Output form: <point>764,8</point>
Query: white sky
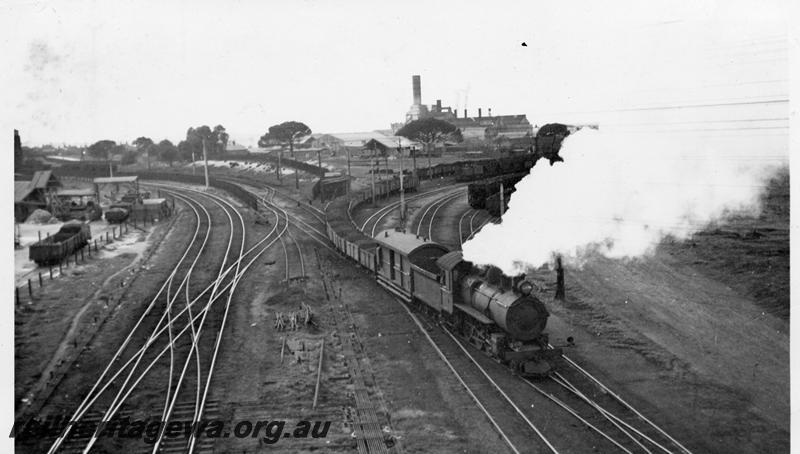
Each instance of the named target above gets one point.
<point>91,70</point>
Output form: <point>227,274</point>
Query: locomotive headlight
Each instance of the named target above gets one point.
<point>525,287</point>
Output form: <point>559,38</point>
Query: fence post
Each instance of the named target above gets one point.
<point>16,293</point>
<point>40,235</point>
<point>59,267</point>
<point>51,271</point>
<point>106,236</point>
<point>40,280</point>
<point>30,289</point>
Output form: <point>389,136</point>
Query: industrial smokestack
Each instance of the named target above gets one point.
<point>465,113</point>
<point>438,105</point>
<point>479,112</point>
<point>417,87</point>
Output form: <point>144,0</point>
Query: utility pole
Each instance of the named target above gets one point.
<point>193,164</point>
<point>372,172</point>
<point>402,191</point>
<point>278,169</point>
<point>296,171</point>
<point>430,172</point>
<point>502,199</point>
<point>348,170</point>
<point>205,162</point>
<point>414,161</point>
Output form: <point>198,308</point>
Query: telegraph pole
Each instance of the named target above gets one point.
<point>348,170</point>
<point>193,164</point>
<point>502,199</point>
<point>402,191</point>
<point>278,169</point>
<point>372,172</point>
<point>205,162</point>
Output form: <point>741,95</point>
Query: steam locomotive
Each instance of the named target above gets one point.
<point>497,314</point>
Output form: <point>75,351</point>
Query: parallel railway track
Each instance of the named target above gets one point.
<point>220,288</point>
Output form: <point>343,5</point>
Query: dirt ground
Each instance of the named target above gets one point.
<point>52,330</point>
<point>696,334</point>
<point>422,407</point>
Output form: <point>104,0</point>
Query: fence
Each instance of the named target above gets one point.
<point>80,255</point>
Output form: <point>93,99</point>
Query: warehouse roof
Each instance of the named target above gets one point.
<point>22,189</point>
<point>44,178</point>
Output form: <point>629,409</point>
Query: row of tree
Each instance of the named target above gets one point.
<point>215,140</point>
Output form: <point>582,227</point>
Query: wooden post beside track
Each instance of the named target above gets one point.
<point>51,272</point>
<point>560,294</point>
<point>283,347</point>
<point>41,284</point>
<point>319,372</point>
<point>16,294</point>
<point>30,289</point>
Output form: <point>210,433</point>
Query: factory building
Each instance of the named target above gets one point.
<point>478,127</point>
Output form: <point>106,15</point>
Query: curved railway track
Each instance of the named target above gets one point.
<point>173,328</point>
<point>374,220</point>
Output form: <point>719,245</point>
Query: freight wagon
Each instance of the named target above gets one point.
<point>72,236</point>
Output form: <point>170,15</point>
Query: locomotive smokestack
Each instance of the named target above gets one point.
<point>417,87</point>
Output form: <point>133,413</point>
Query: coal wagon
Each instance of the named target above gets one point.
<point>72,236</point>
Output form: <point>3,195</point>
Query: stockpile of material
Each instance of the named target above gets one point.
<point>40,216</point>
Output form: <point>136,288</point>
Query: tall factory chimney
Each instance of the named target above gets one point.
<point>438,106</point>
<point>479,112</point>
<point>465,113</point>
<point>417,86</point>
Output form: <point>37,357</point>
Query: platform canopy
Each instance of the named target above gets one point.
<point>76,193</point>
<point>107,180</point>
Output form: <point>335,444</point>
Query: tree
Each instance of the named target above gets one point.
<point>17,149</point>
<point>220,138</point>
<point>102,149</point>
<point>167,152</point>
<point>144,145</point>
<point>265,141</point>
<point>287,132</point>
<point>429,131</point>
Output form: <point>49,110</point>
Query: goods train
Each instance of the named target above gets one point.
<point>479,192</point>
<point>72,236</point>
<point>497,314</point>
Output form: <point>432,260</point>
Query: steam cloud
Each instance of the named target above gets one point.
<point>619,195</point>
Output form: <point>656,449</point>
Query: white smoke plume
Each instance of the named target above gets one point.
<point>617,194</point>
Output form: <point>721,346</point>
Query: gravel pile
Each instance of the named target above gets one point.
<point>41,217</point>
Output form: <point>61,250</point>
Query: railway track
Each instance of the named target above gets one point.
<point>368,418</point>
<point>612,424</point>
<point>371,224</point>
<point>470,219</point>
<point>180,328</point>
<point>424,228</point>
